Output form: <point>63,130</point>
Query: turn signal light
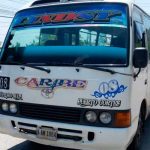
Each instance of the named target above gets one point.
<point>123,119</point>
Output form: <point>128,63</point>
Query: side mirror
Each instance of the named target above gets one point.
<point>140,58</point>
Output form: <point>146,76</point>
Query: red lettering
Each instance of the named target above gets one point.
<point>21,81</point>
<point>70,17</point>
<point>33,83</point>
<point>59,18</point>
<point>46,19</point>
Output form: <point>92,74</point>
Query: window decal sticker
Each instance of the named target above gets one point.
<point>109,89</point>
<point>48,86</point>
<point>13,96</point>
<point>85,102</point>
<point>65,17</point>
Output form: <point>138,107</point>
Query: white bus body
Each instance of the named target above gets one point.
<point>71,74</point>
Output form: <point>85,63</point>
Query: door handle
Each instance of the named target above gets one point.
<point>146,82</point>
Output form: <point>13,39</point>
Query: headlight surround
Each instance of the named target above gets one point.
<point>105,117</point>
<point>91,116</point>
<point>5,107</point>
<point>13,108</point>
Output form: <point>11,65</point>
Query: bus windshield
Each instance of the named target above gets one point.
<point>88,34</point>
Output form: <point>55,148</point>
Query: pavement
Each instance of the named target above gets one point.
<point>11,143</point>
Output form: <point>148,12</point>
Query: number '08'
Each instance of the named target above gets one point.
<point>3,83</point>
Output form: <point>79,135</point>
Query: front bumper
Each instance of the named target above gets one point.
<point>104,138</point>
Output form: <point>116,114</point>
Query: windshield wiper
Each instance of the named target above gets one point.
<point>79,63</point>
<point>99,68</point>
<point>29,65</point>
<point>96,68</point>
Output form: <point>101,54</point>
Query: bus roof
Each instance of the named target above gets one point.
<point>39,3</point>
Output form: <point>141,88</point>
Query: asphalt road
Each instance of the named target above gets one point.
<point>10,143</point>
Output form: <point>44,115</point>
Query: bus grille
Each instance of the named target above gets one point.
<point>50,113</point>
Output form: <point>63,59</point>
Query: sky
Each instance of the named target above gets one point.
<point>9,7</point>
<point>144,4</point>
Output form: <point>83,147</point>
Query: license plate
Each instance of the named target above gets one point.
<point>47,133</point>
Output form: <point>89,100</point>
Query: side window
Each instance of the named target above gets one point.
<point>148,38</point>
<point>139,35</point>
<point>87,37</point>
<point>48,37</point>
<point>104,39</point>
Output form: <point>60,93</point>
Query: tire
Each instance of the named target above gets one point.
<point>135,145</point>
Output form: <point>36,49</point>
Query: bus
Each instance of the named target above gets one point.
<point>75,74</point>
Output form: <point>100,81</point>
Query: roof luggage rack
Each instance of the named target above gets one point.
<point>40,2</point>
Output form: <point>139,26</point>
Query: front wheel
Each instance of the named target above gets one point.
<point>135,145</point>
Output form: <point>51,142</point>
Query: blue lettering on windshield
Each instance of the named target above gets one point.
<point>109,89</point>
<point>73,14</point>
<point>83,16</point>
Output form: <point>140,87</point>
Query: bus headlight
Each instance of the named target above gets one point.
<point>91,116</point>
<point>5,107</point>
<point>105,117</point>
<point>13,108</point>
